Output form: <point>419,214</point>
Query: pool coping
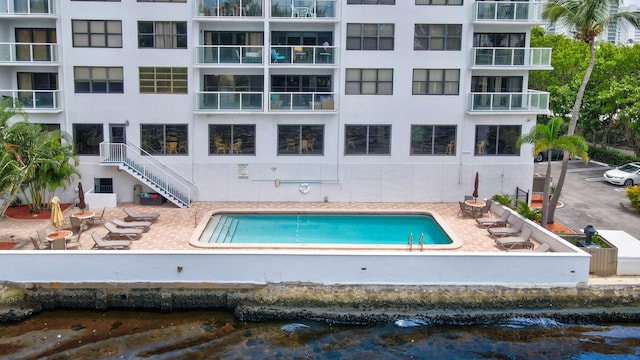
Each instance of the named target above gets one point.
<point>456,242</point>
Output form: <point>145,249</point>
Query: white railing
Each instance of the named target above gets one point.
<point>229,54</point>
<point>27,7</point>
<point>301,101</point>
<point>529,101</point>
<point>508,11</point>
<point>520,57</point>
<point>34,99</point>
<point>146,166</point>
<point>241,8</point>
<point>28,52</point>
<point>229,100</point>
<point>303,55</point>
<point>303,9</point>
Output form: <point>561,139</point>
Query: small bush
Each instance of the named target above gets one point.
<point>633,194</point>
<point>504,199</point>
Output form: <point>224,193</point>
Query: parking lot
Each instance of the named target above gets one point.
<point>590,200</point>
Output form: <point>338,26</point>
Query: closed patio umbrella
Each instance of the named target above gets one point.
<point>81,203</point>
<point>475,186</point>
<point>56,213</point>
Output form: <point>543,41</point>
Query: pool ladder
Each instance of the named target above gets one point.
<point>420,241</point>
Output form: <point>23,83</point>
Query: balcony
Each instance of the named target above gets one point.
<point>27,7</point>
<point>302,101</point>
<point>220,101</point>
<point>228,8</point>
<point>529,102</point>
<point>228,54</point>
<point>306,10</point>
<point>25,53</point>
<point>303,55</point>
<point>35,100</point>
<point>508,12</point>
<point>514,58</point>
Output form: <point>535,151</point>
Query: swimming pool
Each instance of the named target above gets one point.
<point>323,230</point>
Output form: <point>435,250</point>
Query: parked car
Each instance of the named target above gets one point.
<point>555,155</point>
<point>627,175</point>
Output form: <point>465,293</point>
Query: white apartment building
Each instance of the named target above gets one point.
<point>282,100</point>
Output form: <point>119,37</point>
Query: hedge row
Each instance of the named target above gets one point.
<point>610,157</point>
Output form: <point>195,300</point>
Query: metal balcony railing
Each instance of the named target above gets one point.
<point>301,101</point>
<point>34,99</point>
<point>303,9</point>
<point>517,57</point>
<point>229,101</point>
<point>508,11</point>
<point>27,7</point>
<point>229,54</point>
<point>28,52</point>
<point>531,101</point>
<point>228,8</point>
<point>303,55</point>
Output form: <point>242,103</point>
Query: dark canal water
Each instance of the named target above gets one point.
<point>218,335</point>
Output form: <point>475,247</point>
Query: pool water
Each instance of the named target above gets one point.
<point>324,229</point>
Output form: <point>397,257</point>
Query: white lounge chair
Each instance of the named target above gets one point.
<point>144,225</point>
<point>513,230</point>
<point>544,247</point>
<point>118,233</point>
<point>490,222</point>
<point>520,241</point>
<point>109,244</point>
<point>134,216</point>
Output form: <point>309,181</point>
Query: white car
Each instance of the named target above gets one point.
<point>627,175</point>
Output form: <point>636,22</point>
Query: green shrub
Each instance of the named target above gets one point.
<point>633,194</point>
<point>504,199</point>
<point>610,157</point>
<point>528,212</point>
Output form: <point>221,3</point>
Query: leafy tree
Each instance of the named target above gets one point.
<point>587,18</point>
<point>546,138</point>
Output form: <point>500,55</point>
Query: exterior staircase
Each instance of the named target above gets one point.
<point>149,171</point>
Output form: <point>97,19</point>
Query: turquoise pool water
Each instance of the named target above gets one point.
<point>323,229</point>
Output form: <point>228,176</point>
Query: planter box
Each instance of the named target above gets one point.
<point>154,199</point>
<point>604,261</point>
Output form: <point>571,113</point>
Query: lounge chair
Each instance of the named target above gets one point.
<point>515,229</point>
<point>490,222</point>
<point>118,233</point>
<point>144,225</point>
<point>544,247</point>
<point>134,216</point>
<point>108,244</point>
<point>520,241</point>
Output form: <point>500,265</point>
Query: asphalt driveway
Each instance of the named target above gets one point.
<point>589,200</point>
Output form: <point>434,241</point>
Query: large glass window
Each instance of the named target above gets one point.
<point>232,139</point>
<point>162,34</point>
<point>30,51</point>
<point>438,2</point>
<point>497,139</point>
<point>371,2</point>
<point>370,36</point>
<point>369,82</point>
<point>163,80</point>
<point>433,139</point>
<point>164,139</point>
<point>437,37</point>
<point>233,91</point>
<point>87,138</point>
<point>97,33</point>
<point>436,81</point>
<point>300,139</point>
<point>367,140</point>
<point>98,80</point>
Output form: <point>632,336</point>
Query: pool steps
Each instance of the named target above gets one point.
<point>223,231</point>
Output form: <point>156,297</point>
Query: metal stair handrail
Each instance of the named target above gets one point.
<point>151,169</point>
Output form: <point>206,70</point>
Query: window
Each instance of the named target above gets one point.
<point>87,138</point>
<point>164,139</point>
<point>232,91</point>
<point>371,2</point>
<point>497,139</point>
<point>369,82</point>
<point>97,33</point>
<point>370,36</point>
<point>367,140</point>
<point>232,139</point>
<point>163,80</point>
<point>436,81</point>
<point>98,80</point>
<point>433,139</point>
<point>162,34</point>
<point>103,185</point>
<point>300,139</point>
<point>438,2</point>
<point>498,40</point>
<point>175,1</point>
<point>30,51</point>
<point>99,0</point>
<point>437,37</point>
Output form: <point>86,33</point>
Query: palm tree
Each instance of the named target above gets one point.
<point>546,138</point>
<point>587,19</point>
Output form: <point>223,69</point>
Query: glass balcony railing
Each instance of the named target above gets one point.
<point>237,8</point>
<point>519,57</point>
<point>508,11</point>
<point>34,99</point>
<point>228,54</point>
<point>229,101</point>
<point>303,9</point>
<point>301,101</point>
<point>28,52</point>
<point>316,55</point>
<point>531,101</point>
<point>27,7</point>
